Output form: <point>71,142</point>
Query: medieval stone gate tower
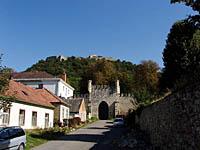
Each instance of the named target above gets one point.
<point>107,102</point>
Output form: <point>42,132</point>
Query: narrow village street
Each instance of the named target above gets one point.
<point>96,136</point>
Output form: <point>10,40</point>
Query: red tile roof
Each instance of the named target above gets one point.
<point>31,74</point>
<point>27,94</point>
<point>51,97</point>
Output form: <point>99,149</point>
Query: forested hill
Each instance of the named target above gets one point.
<point>137,79</point>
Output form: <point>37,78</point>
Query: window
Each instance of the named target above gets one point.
<point>63,113</point>
<point>5,117</point>
<point>66,91</point>
<point>4,134</point>
<point>46,120</point>
<point>21,117</point>
<point>13,133</point>
<point>25,93</point>
<point>34,118</point>
<point>40,86</point>
<point>67,114</point>
<point>20,132</point>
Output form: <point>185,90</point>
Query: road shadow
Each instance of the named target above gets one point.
<point>109,138</point>
<point>98,128</point>
<point>82,137</point>
<point>109,122</point>
<point>103,141</point>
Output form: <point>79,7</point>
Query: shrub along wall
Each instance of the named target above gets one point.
<point>174,122</point>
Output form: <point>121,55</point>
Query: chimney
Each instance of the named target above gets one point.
<point>63,77</point>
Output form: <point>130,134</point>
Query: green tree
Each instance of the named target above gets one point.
<point>195,4</point>
<point>146,80</point>
<point>181,53</point>
<point>4,76</point>
<point>4,81</point>
<point>102,72</point>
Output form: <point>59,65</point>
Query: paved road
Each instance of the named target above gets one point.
<point>96,136</point>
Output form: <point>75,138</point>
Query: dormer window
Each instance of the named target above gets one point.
<point>25,93</point>
<point>40,86</point>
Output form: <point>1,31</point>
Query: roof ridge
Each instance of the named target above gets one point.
<point>55,96</point>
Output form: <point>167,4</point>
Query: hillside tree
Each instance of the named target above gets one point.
<point>146,81</point>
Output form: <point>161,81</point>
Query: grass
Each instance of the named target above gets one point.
<point>33,141</point>
<point>37,137</point>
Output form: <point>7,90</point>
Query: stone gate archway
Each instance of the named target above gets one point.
<point>103,111</point>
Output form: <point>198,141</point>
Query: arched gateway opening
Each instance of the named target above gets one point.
<point>103,111</point>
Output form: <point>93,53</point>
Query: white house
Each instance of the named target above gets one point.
<point>39,79</point>
<point>29,109</point>
<point>77,108</point>
<point>61,111</point>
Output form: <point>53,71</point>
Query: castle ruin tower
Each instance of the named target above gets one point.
<point>90,93</point>
<point>117,107</point>
<point>117,87</point>
<point>90,86</point>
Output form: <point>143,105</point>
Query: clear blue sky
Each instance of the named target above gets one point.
<point>130,30</point>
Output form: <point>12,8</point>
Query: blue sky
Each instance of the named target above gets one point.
<point>130,30</point>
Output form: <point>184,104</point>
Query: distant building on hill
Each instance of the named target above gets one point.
<point>100,57</point>
<point>63,58</point>
<point>60,57</point>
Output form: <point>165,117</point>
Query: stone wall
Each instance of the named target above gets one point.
<point>174,122</point>
<point>126,103</point>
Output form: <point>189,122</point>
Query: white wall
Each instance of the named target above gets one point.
<point>64,113</point>
<point>14,115</point>
<point>83,116</point>
<point>50,85</point>
<point>64,91</point>
<point>57,87</point>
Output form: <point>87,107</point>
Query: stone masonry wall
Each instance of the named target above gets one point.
<point>103,93</point>
<point>126,104</point>
<point>174,122</point>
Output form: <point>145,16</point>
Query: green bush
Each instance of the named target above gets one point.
<point>93,118</point>
<point>49,134</point>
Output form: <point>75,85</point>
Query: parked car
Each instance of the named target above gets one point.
<point>118,122</point>
<point>12,138</point>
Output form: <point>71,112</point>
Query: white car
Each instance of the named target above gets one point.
<point>12,138</point>
<point>118,122</point>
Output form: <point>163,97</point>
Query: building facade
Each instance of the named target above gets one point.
<point>77,108</point>
<point>61,110</point>
<point>28,109</point>
<point>29,116</point>
<point>39,80</point>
